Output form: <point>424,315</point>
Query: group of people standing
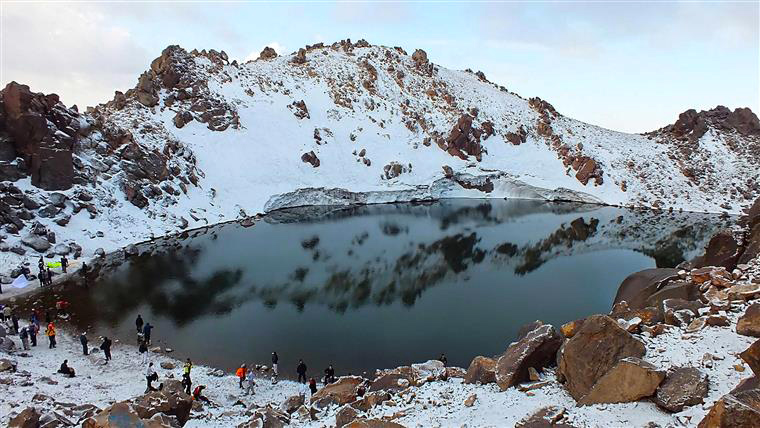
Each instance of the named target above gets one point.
<point>46,274</point>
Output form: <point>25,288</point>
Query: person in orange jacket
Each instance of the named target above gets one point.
<point>50,332</point>
<point>240,373</point>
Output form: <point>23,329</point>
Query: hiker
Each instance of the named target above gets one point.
<point>143,349</point>
<point>312,386</point>
<point>240,373</point>
<point>139,323</point>
<point>83,271</point>
<point>41,264</point>
<point>198,394</point>
<point>50,332</point>
<point>443,359</point>
<point>32,328</point>
<point>275,371</point>
<point>106,347</point>
<point>14,321</point>
<point>150,376</point>
<point>251,383</point>
<point>24,336</point>
<point>301,369</point>
<point>64,263</point>
<point>186,382</point>
<point>49,276</point>
<point>146,332</point>
<point>60,307</point>
<point>2,312</point>
<point>65,369</point>
<point>83,340</point>
<point>329,374</point>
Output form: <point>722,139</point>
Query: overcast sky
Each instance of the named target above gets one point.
<point>630,66</point>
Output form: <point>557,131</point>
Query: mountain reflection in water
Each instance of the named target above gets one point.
<point>383,285</point>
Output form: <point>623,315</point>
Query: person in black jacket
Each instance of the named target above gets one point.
<point>65,369</point>
<point>275,359</point>
<point>301,369</point>
<point>329,374</point>
<point>139,323</point>
<point>64,263</point>
<point>83,340</point>
<point>106,347</point>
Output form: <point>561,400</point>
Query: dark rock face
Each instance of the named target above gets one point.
<point>267,53</point>
<point>692,125</point>
<point>752,357</point>
<point>638,287</point>
<point>595,349</point>
<point>722,250</point>
<point>537,349</point>
<point>749,323</point>
<point>464,139</point>
<point>40,131</point>
<point>310,158</point>
<point>683,386</point>
<point>735,410</point>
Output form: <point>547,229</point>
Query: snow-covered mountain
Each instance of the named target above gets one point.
<point>202,140</point>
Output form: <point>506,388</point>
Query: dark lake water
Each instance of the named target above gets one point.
<point>379,286</point>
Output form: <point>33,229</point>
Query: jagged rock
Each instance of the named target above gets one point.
<point>37,243</point>
<point>546,417</point>
<point>751,242</point>
<point>482,370</point>
<point>123,414</point>
<point>595,349</point>
<point>310,158</point>
<point>7,365</point>
<point>371,400</point>
<point>182,118</point>
<point>300,57</point>
<point>470,401</point>
<point>722,250</point>
<point>629,380</point>
<point>537,349</point>
<point>167,365</point>
<point>171,401</point>
<point>734,410</point>
<point>343,390</point>
<point>268,53</point>
<point>752,357</point>
<point>637,288</point>
<point>28,418</point>
<point>291,404</point>
<point>345,415</point>
<point>267,417</point>
<point>683,386</point>
<point>391,382</point>
<point>373,423</point>
<point>749,323</point>
<point>299,109</point>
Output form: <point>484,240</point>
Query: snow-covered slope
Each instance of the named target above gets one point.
<point>202,140</point>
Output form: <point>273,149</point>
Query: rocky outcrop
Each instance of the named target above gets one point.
<point>267,53</point>
<point>638,287</point>
<point>734,410</point>
<point>37,137</point>
<point>595,349</point>
<point>692,125</point>
<point>342,391</point>
<point>537,349</point>
<point>724,249</point>
<point>463,139</point>
<point>299,109</point>
<point>310,158</point>
<point>267,417</point>
<point>752,357</point>
<point>683,386</point>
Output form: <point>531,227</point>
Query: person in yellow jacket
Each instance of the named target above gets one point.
<point>240,373</point>
<point>50,332</point>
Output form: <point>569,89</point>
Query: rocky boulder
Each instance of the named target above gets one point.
<point>752,357</point>
<point>123,414</point>
<point>546,417</point>
<point>482,370</point>
<point>629,380</point>
<point>291,404</point>
<point>28,418</point>
<point>170,401</point>
<point>373,423</point>
<point>343,391</point>
<point>536,349</point>
<point>310,158</point>
<point>723,250</point>
<point>596,348</point>
<point>345,416</point>
<point>268,53</point>
<point>683,386</point>
<point>734,410</point>
<point>266,417</point>
<point>637,288</point>
<point>749,323</point>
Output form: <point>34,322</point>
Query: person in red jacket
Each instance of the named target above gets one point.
<point>50,333</point>
<point>240,373</point>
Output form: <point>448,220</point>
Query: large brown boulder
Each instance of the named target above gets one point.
<point>171,401</point>
<point>735,410</point>
<point>343,391</point>
<point>28,418</point>
<point>683,386</point>
<point>723,250</point>
<point>482,370</point>
<point>751,243</point>
<point>267,53</point>
<point>123,415</point>
<point>537,349</point>
<point>345,416</point>
<point>266,417</point>
<point>310,158</point>
<point>752,357</point>
<point>638,287</point>
<point>595,349</point>
<point>545,417</point>
<point>629,380</point>
<point>391,382</point>
<point>749,323</point>
<point>373,423</point>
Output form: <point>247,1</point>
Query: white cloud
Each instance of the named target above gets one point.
<point>280,49</point>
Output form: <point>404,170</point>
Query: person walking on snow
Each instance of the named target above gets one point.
<point>329,374</point>
<point>24,336</point>
<point>32,328</point>
<point>146,332</point>
<point>312,386</point>
<point>150,376</point>
<point>14,321</point>
<point>64,263</point>
<point>106,347</point>
<point>240,373</point>
<point>301,370</point>
<point>83,340</point>
<point>275,370</point>
<point>143,349</point>
<point>50,333</point>
<point>186,382</point>
<point>251,383</point>
<point>139,323</point>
